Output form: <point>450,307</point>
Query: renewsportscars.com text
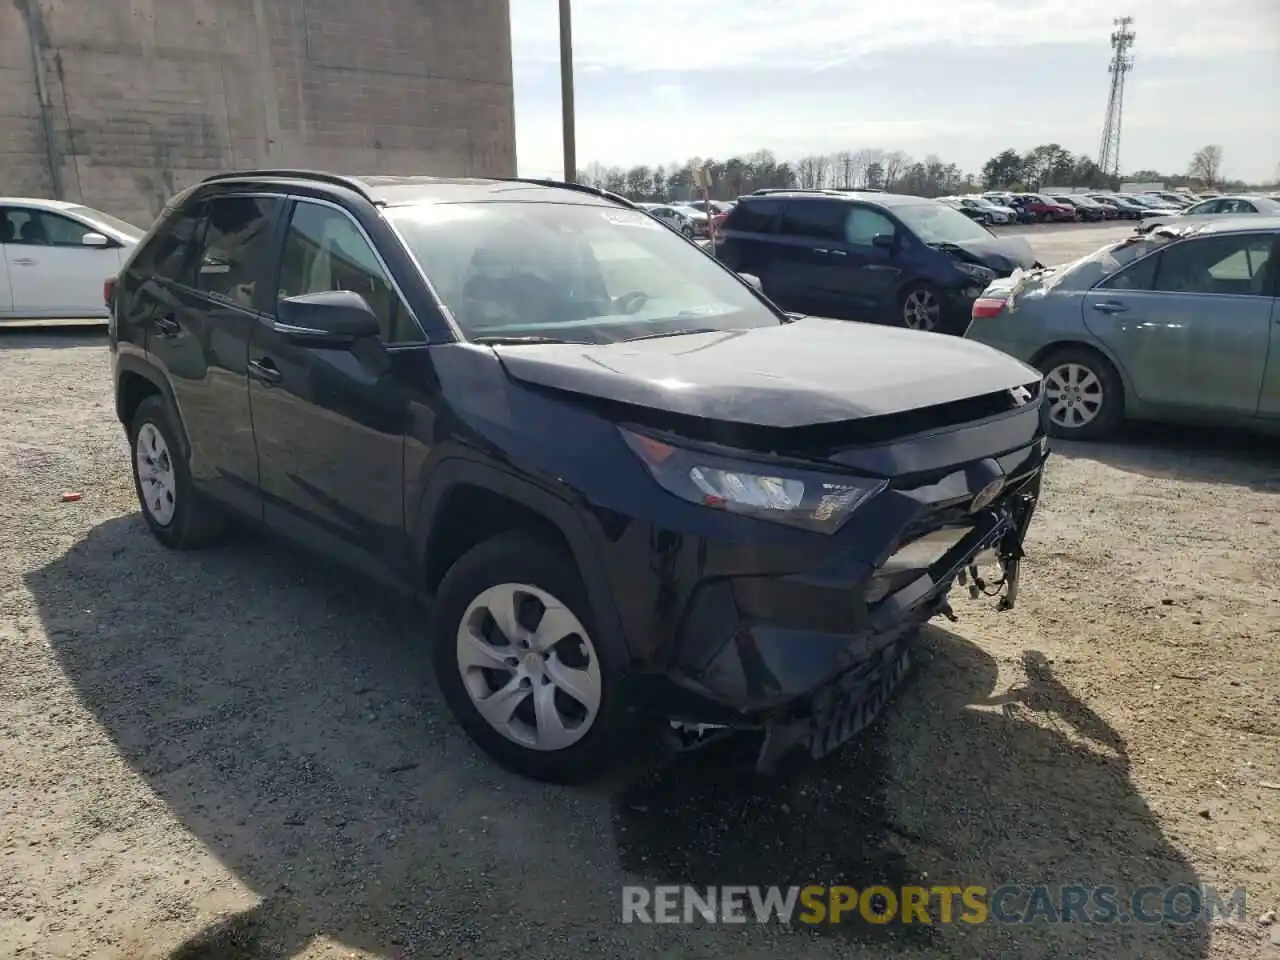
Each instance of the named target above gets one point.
<point>971,904</point>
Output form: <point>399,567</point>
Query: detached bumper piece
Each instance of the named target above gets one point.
<point>852,707</point>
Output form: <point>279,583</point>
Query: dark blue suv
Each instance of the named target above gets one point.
<point>867,256</point>
<point>628,487</point>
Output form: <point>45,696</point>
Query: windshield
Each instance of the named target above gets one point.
<point>574,272</point>
<point>106,220</point>
<point>938,223</point>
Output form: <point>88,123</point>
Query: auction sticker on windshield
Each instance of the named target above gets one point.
<point>628,218</point>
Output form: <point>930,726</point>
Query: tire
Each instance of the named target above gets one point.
<point>499,574</point>
<point>687,231</point>
<point>1094,376</point>
<point>910,312</point>
<point>179,517</point>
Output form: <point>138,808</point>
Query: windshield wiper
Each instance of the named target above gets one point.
<point>944,245</point>
<point>497,341</point>
<point>672,333</point>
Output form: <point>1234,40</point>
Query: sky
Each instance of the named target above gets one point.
<point>663,80</point>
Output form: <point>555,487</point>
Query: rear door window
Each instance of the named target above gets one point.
<point>814,219</point>
<point>236,247</point>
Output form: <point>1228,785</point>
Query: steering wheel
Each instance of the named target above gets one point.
<point>632,302</point>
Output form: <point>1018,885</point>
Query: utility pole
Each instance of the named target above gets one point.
<point>566,93</point>
<point>1121,63</point>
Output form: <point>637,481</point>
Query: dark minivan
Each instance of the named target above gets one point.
<point>627,483</point>
<point>878,257</point>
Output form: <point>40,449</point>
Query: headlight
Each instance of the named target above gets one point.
<point>983,275</point>
<point>739,487</point>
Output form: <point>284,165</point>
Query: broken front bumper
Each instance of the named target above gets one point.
<point>805,687</point>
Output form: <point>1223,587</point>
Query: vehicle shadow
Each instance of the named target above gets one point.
<point>1178,452</point>
<point>284,713</point>
<point>52,337</point>
<point>955,786</point>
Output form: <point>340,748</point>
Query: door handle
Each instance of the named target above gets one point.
<point>838,253</point>
<point>166,326</point>
<point>264,371</point>
<point>821,250</point>
<point>1110,306</point>
<point>25,262</point>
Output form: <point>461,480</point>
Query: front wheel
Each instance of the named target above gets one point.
<point>1084,393</point>
<point>520,664</point>
<point>921,307</point>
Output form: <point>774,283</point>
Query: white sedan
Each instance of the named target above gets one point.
<point>56,257</point>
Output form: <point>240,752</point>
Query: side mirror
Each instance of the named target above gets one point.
<point>884,241</point>
<point>332,315</point>
<point>752,281</point>
<point>93,239</point>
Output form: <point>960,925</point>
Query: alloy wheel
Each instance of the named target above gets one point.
<point>1075,395</point>
<point>921,310</point>
<point>529,667</point>
<point>157,481</point>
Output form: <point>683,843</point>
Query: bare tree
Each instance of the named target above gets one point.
<point>825,168</point>
<point>895,164</point>
<point>862,161</point>
<point>808,171</point>
<point>1206,164</point>
<point>842,165</point>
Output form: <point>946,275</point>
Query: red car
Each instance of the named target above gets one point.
<point>1045,209</point>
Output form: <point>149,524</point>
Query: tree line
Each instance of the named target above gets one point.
<point>1048,165</point>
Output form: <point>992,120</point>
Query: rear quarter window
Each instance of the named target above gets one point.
<point>753,216</point>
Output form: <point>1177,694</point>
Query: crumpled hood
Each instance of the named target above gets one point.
<point>1002,254</point>
<point>808,372</point>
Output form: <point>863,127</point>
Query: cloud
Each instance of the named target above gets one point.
<point>810,35</point>
<point>661,80</point>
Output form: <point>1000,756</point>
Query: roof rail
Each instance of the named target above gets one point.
<point>569,185</point>
<point>334,179</point>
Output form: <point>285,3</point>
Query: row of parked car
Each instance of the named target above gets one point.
<point>1001,207</point>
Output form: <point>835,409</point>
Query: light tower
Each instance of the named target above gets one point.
<point>1121,63</point>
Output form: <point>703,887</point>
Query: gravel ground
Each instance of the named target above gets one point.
<point>239,753</point>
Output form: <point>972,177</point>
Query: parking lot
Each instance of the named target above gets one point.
<point>239,753</point>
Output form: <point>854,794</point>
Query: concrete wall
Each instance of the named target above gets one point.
<point>142,97</point>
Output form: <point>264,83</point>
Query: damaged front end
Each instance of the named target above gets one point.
<point>975,542</point>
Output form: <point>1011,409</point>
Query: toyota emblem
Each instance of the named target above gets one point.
<point>987,495</point>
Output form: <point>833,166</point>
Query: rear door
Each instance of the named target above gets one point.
<point>330,422</point>
<point>1192,323</point>
<point>1269,398</point>
<point>52,274</point>
<point>809,272</point>
<point>196,292</point>
<point>6,291</point>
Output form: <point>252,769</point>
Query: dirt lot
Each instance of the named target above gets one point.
<point>240,754</point>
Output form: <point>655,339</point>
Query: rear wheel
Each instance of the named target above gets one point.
<point>520,664</point>
<point>1084,393</point>
<point>176,514</point>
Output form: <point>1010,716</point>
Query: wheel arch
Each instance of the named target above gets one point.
<point>1092,346</point>
<point>137,380</point>
<point>1127,399</point>
<point>467,502</point>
